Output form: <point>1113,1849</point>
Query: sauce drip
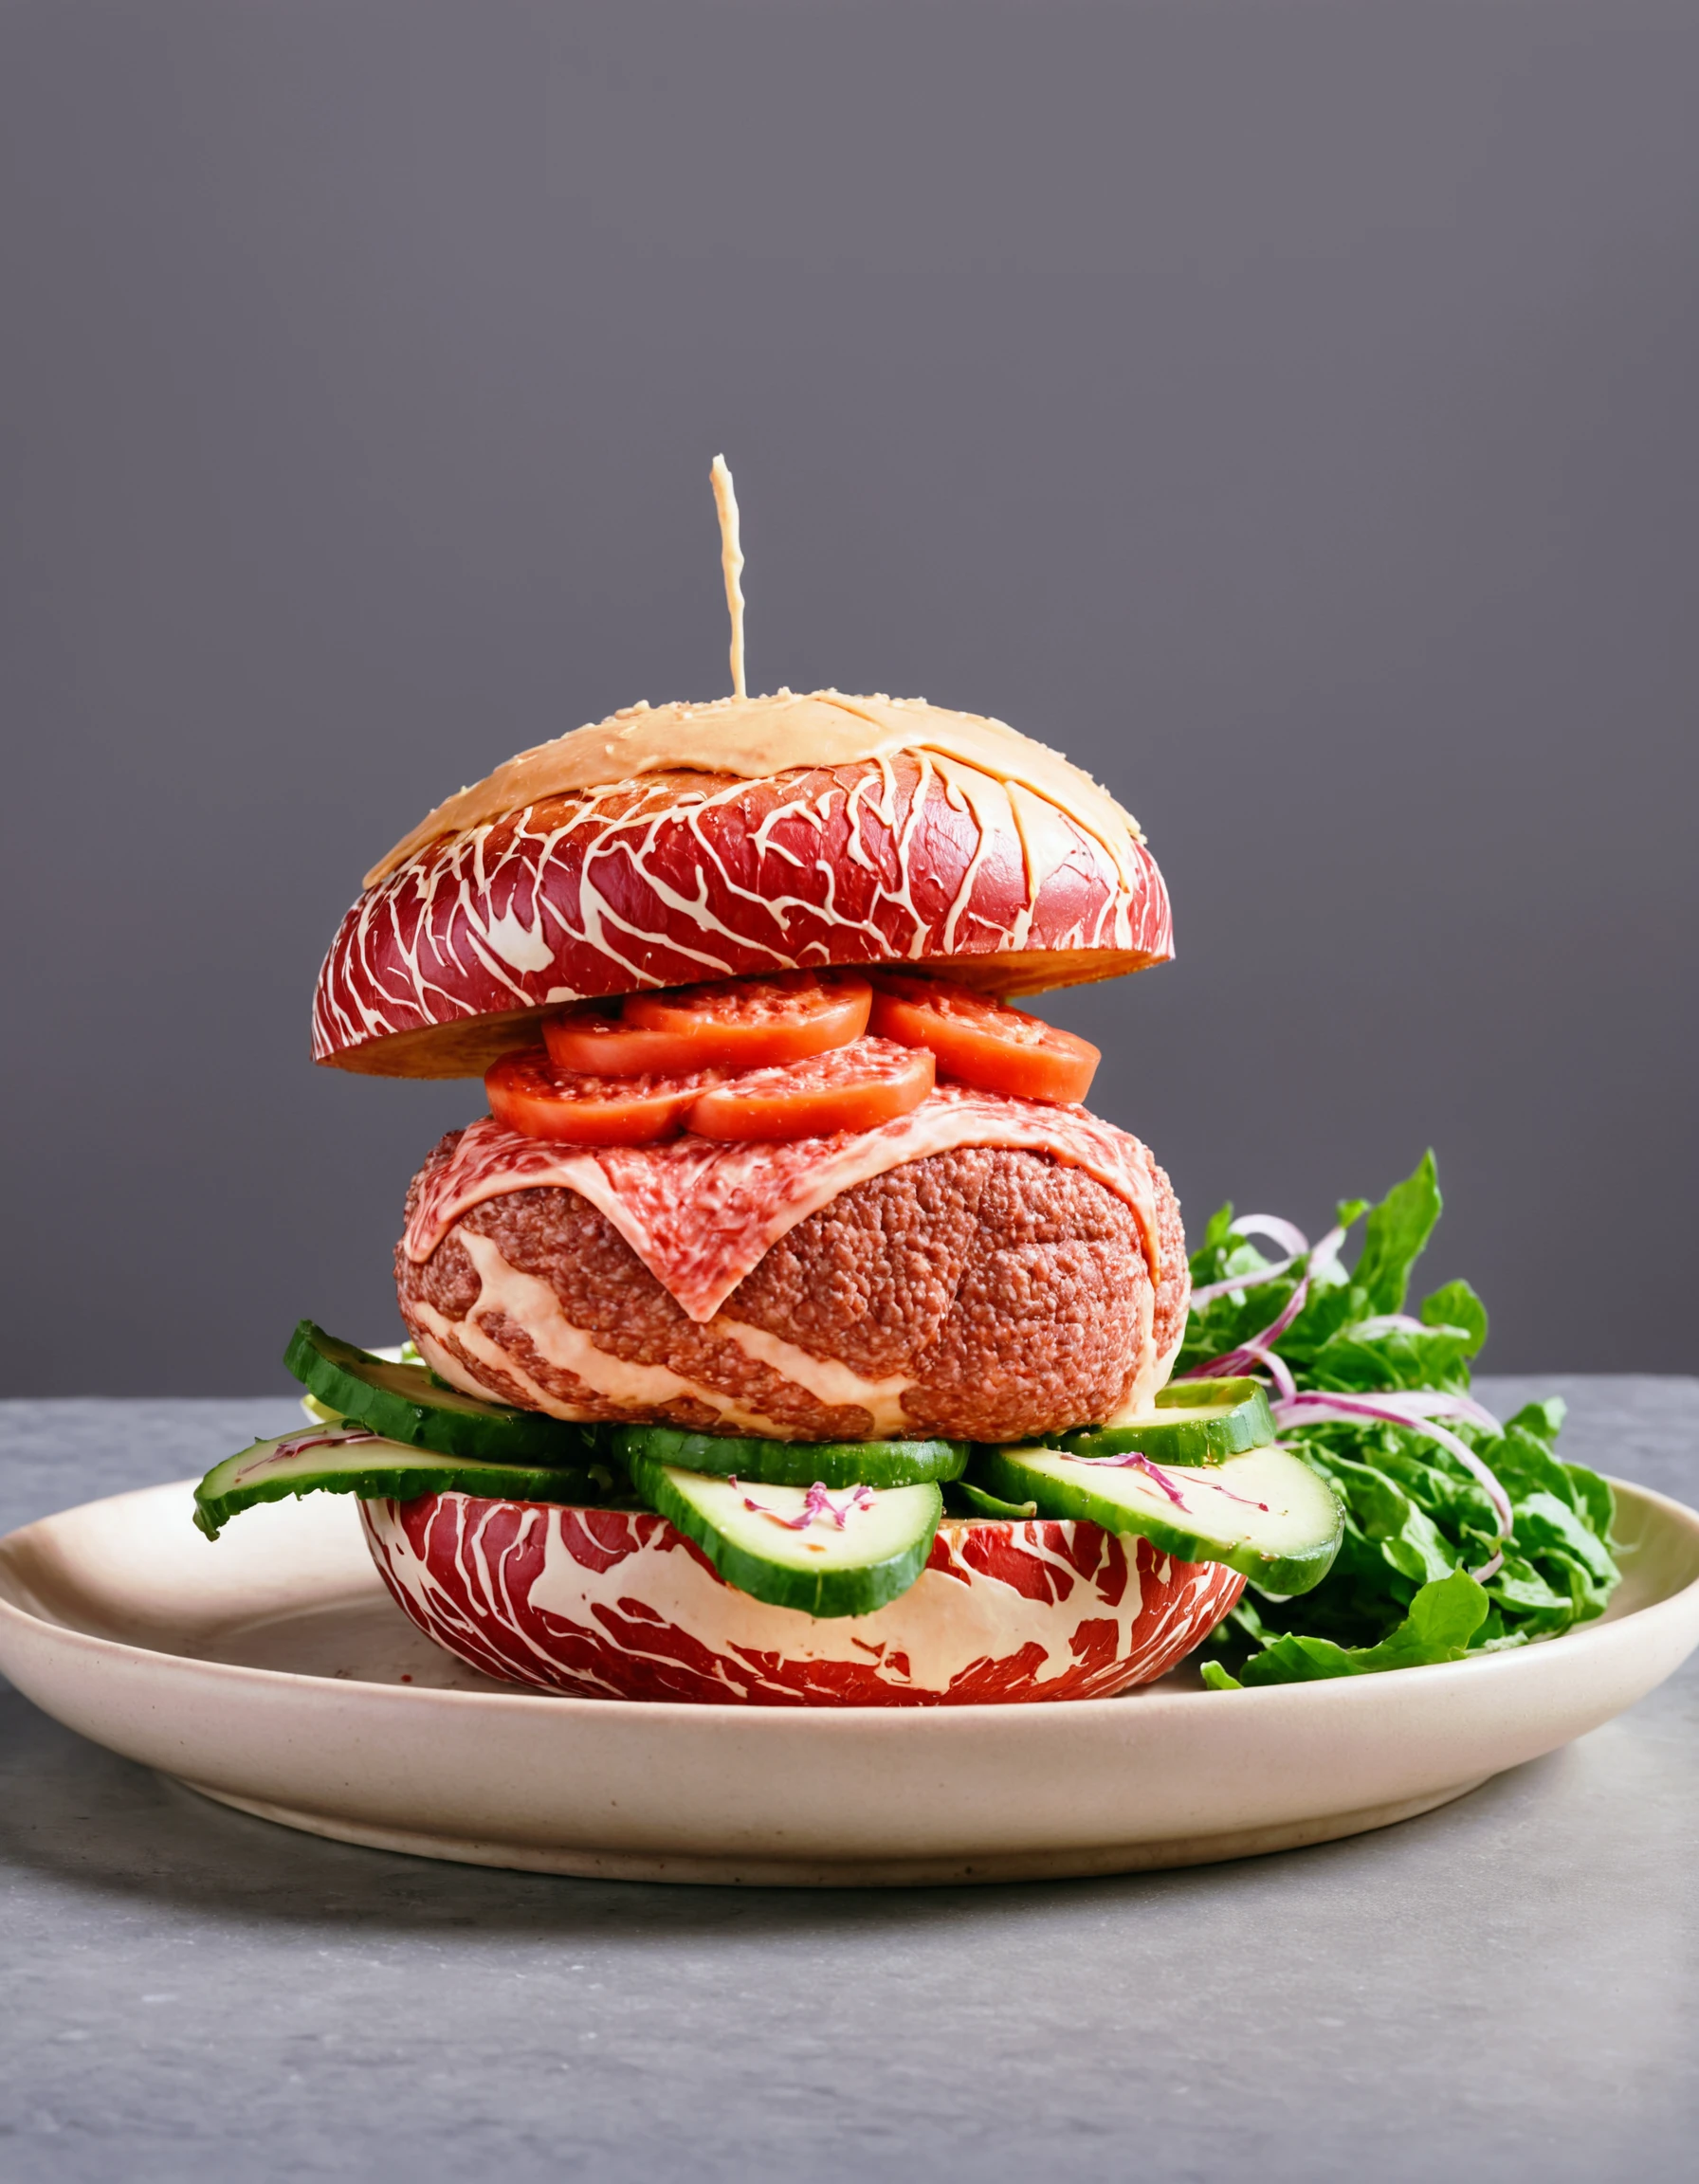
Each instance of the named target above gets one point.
<point>731,563</point>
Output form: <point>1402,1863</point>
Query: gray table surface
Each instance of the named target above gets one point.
<point>1509,1986</point>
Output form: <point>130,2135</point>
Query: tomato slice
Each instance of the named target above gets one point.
<point>984,1043</point>
<point>528,1094</point>
<point>758,1023</point>
<point>854,1088</point>
<point>596,1040</point>
<point>731,1024</point>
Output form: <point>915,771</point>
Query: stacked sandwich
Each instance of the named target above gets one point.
<point>788,1330</point>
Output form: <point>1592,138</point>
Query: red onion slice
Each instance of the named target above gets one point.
<point>1290,1238</point>
<point>1279,1371</point>
<point>1272,1272</point>
<point>1415,1411</point>
<point>1240,1360</point>
<point>1134,1460</point>
<point>817,1501</point>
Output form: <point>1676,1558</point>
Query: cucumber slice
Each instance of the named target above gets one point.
<point>1198,1422</point>
<point>977,1502</point>
<point>1266,1512</point>
<point>400,1354</point>
<point>409,1404</point>
<point>833,1463</point>
<point>350,1460</point>
<point>750,1533</point>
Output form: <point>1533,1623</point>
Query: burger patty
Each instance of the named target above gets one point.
<point>980,1294</point>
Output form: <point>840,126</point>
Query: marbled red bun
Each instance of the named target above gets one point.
<point>903,834</point>
<point>614,1604</point>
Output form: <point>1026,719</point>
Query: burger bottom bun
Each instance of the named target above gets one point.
<point>616,1604</point>
<point>979,1294</point>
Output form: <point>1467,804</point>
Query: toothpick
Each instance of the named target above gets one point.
<point>731,561</point>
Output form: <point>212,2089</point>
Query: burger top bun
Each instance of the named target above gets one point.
<point>758,738</point>
<point>680,842</point>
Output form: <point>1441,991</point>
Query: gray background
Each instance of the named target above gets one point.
<point>1287,408</point>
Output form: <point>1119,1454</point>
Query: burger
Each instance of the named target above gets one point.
<point>788,1330</point>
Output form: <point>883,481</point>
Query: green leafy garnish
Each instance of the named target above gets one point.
<point>1443,1618</point>
<point>1418,1521</point>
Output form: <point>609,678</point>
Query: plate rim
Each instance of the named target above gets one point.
<point>785,1720</point>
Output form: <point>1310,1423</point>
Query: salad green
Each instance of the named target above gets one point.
<point>1461,1535</point>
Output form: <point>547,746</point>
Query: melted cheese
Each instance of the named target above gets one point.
<point>506,1290</point>
<point>1152,1370</point>
<point>824,1378</point>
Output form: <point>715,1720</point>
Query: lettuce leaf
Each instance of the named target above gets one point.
<point>1443,1618</point>
<point>1395,1235</point>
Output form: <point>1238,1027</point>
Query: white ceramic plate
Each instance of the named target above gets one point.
<point>271,1670</point>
